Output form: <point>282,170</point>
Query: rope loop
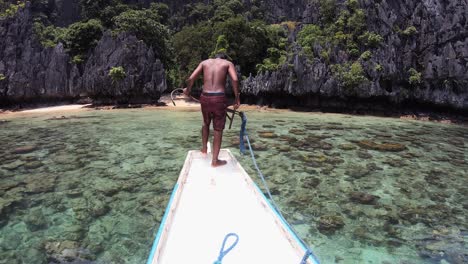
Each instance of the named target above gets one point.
<point>223,252</point>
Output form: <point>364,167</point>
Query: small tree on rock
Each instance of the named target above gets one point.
<point>117,74</point>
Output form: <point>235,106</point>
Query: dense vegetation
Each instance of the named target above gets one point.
<point>342,28</point>
<point>180,39</point>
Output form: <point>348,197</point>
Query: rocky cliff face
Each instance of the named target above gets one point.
<point>438,50</point>
<point>34,73</point>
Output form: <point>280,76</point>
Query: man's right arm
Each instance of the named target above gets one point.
<point>235,84</point>
<point>192,78</point>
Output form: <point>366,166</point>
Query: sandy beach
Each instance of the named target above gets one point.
<point>182,102</point>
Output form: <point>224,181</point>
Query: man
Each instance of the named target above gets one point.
<point>213,99</point>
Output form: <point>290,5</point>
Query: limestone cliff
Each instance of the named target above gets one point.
<point>439,50</point>
<point>34,73</point>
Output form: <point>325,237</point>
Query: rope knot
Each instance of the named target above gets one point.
<point>223,252</point>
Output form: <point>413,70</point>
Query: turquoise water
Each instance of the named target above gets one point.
<point>93,186</point>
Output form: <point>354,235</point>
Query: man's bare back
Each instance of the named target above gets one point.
<point>215,72</point>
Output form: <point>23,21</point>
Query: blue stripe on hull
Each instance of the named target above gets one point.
<point>283,221</point>
<point>161,226</point>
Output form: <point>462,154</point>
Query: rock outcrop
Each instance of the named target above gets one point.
<point>438,50</point>
<point>33,73</point>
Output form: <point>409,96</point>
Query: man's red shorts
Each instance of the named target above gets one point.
<point>214,107</point>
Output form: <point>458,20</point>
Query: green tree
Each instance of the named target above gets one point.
<point>414,77</point>
<point>82,36</point>
<point>370,39</point>
<point>409,31</point>
<point>366,55</point>
<point>222,45</point>
<point>248,42</point>
<point>117,74</point>
<point>327,10</point>
<point>49,36</point>
<point>9,9</point>
<point>349,75</point>
<point>191,45</point>
<point>146,26</point>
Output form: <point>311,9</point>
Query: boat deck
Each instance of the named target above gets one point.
<point>207,204</point>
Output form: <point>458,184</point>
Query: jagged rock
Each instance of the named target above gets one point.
<point>310,182</point>
<point>35,220</point>
<point>363,198</point>
<point>37,73</point>
<point>328,224</point>
<point>40,183</point>
<point>145,75</point>
<point>357,171</point>
<point>393,147</point>
<point>347,146</point>
<point>438,50</point>
<point>24,149</point>
<point>267,134</point>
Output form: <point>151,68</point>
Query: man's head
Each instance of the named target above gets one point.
<point>221,55</point>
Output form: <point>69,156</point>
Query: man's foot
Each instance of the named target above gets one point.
<point>218,163</point>
<point>204,150</point>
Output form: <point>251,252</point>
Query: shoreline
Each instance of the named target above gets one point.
<point>183,103</point>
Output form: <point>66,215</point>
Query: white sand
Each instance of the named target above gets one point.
<point>55,108</point>
<point>180,101</point>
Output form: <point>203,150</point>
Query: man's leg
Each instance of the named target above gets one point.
<point>205,135</point>
<point>218,137</point>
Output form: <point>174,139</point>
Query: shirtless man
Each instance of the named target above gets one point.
<point>213,100</point>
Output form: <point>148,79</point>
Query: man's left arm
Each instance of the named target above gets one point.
<point>235,84</point>
<point>192,78</point>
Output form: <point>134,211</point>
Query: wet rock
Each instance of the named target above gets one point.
<point>267,134</point>
<point>259,146</point>
<point>24,149</point>
<point>2,122</point>
<point>334,160</point>
<point>310,182</point>
<point>28,158</point>
<point>98,208</point>
<point>40,183</point>
<point>283,148</point>
<point>297,131</point>
<point>278,179</point>
<point>74,193</point>
<point>395,162</point>
<point>33,254</point>
<point>328,224</point>
<point>66,252</point>
<point>346,146</point>
<point>386,146</point>
<point>13,165</point>
<point>35,220</point>
<point>108,189</point>
<point>5,185</point>
<point>33,165</point>
<point>363,198</point>
<point>4,205</point>
<point>364,155</point>
<point>357,171</point>
<point>325,146</point>
<point>373,167</point>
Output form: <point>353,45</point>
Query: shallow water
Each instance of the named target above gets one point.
<point>93,186</point>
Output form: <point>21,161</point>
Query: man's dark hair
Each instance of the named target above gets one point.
<point>221,55</point>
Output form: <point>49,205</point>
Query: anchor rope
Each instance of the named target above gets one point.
<point>222,252</point>
<point>243,133</point>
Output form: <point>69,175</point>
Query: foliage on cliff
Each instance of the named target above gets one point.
<point>180,39</point>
